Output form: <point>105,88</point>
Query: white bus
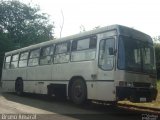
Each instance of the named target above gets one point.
<point>106,64</point>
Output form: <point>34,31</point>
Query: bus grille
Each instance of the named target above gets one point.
<point>140,84</point>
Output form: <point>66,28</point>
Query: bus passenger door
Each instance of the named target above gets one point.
<point>105,78</point>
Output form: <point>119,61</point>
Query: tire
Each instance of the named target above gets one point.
<point>78,91</point>
<point>19,87</point>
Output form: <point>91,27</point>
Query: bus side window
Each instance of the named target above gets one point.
<point>62,52</point>
<point>46,55</point>
<point>23,59</point>
<point>7,62</point>
<point>82,44</point>
<point>34,57</point>
<point>84,49</point>
<point>14,61</point>
<point>93,42</point>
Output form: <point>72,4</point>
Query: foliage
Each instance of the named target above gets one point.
<point>157,54</point>
<point>158,84</point>
<point>22,25</point>
<point>156,39</point>
<point>5,45</point>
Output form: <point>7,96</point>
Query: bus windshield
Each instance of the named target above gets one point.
<point>136,55</point>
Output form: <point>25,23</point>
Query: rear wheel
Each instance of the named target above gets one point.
<point>19,87</point>
<point>78,91</point>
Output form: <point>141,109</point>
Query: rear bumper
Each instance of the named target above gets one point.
<point>134,94</point>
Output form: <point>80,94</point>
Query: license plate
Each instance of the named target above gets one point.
<point>142,99</point>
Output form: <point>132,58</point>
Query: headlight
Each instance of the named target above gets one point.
<point>122,83</point>
<point>125,84</point>
<point>130,84</point>
<point>151,86</point>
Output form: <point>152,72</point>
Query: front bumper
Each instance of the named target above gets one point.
<point>134,94</point>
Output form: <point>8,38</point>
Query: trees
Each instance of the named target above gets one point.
<point>157,54</point>
<point>22,25</point>
<point>156,39</point>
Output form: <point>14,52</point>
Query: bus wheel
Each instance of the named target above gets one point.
<point>78,91</point>
<point>19,87</point>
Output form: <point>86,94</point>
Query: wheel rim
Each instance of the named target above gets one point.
<point>78,91</point>
<point>19,87</point>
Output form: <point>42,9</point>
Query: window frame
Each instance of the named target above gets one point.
<point>66,53</point>
<point>7,62</point>
<point>51,55</point>
<point>86,41</point>
<point>90,48</point>
<point>14,60</point>
<point>142,46</point>
<point>113,55</point>
<point>68,47</point>
<point>23,59</point>
<point>88,37</point>
<point>33,57</point>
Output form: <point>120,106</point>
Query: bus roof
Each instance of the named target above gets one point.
<point>121,30</point>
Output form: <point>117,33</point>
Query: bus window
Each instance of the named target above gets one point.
<point>46,55</point>
<point>148,58</point>
<point>14,61</point>
<point>7,62</point>
<point>88,43</point>
<point>135,55</point>
<point>62,52</point>
<point>83,44</point>
<point>34,57</point>
<point>84,49</point>
<point>23,59</point>
<point>105,54</point>
<point>93,42</point>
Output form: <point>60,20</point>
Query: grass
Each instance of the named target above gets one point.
<point>154,104</point>
<point>158,84</point>
<point>158,87</point>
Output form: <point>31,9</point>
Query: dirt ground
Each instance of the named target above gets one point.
<point>44,109</point>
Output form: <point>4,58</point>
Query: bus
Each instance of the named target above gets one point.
<point>107,64</point>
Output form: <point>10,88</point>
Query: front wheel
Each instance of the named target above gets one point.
<point>78,91</point>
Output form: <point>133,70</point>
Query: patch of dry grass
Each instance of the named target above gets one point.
<point>158,87</point>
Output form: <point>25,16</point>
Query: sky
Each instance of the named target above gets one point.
<point>143,15</point>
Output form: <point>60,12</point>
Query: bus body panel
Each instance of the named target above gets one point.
<point>39,73</point>
<point>9,77</point>
<point>105,91</point>
<point>103,85</point>
<point>8,86</point>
